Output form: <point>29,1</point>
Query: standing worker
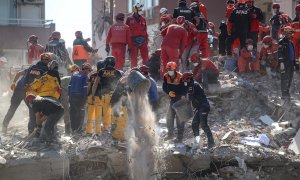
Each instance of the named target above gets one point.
<point>81,49</point>
<point>139,36</point>
<point>296,38</point>
<point>107,80</point>
<point>35,50</point>
<point>118,36</point>
<point>199,101</point>
<point>173,86</point>
<point>286,60</point>
<point>183,10</point>
<point>77,97</point>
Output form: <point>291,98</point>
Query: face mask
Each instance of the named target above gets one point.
<point>185,83</point>
<point>195,64</point>
<point>250,47</point>
<point>140,12</point>
<point>171,73</point>
<point>266,46</point>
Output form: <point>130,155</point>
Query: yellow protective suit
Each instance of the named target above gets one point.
<point>94,115</point>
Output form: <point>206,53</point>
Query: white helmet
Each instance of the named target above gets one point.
<point>163,11</point>
<point>138,6</point>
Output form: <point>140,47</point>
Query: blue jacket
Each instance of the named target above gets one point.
<point>152,93</point>
<point>78,85</point>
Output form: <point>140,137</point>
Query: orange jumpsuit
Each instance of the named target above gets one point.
<point>263,31</point>
<point>245,62</point>
<point>269,55</point>
<point>296,38</point>
<point>34,52</point>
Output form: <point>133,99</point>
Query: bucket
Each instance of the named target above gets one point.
<point>230,64</point>
<point>183,109</point>
<point>138,82</point>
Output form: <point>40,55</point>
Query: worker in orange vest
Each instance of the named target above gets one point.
<point>81,49</point>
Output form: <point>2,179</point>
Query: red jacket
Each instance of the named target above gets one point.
<point>209,65</point>
<point>174,36</point>
<point>263,31</point>
<point>192,34</point>
<point>118,33</point>
<point>137,28</point>
<point>34,52</point>
<point>256,18</point>
<point>203,9</point>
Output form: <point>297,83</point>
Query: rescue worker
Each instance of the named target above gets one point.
<point>34,50</point>
<point>286,60</point>
<point>240,19</point>
<point>296,37</point>
<point>264,30</point>
<point>201,27</point>
<point>199,101</point>
<point>118,36</point>
<point>173,86</point>
<point>183,10</point>
<point>64,98</point>
<point>107,79</point>
<point>268,56</point>
<point>17,97</point>
<point>154,64</point>
<point>196,61</point>
<point>174,43</point>
<point>56,45</point>
<point>47,85</point>
<point>256,18</point>
<point>202,8</point>
<point>48,110</point>
<point>139,36</point>
<point>81,50</point>
<point>165,21</point>
<point>153,93</point>
<point>35,72</point>
<point>77,91</point>
<point>249,58</point>
<point>277,21</point>
<point>192,45</point>
<point>222,38</point>
<point>95,105</point>
<point>230,5</point>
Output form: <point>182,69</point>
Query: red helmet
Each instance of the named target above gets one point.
<point>144,69</point>
<point>171,66</point>
<point>86,66</point>
<point>29,98</point>
<point>78,34</point>
<point>55,35</point>
<point>32,38</point>
<point>166,17</point>
<point>180,20</point>
<point>297,8</point>
<point>276,6</point>
<point>120,16</point>
<point>267,40</point>
<point>195,57</point>
<point>241,1</point>
<point>186,76</point>
<point>249,0</point>
<point>211,25</point>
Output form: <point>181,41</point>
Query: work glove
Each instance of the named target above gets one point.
<point>107,49</point>
<point>172,94</point>
<point>13,86</point>
<point>282,69</point>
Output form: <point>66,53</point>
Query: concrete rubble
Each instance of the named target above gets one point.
<point>242,110</point>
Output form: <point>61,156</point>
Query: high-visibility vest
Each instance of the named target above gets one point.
<point>80,53</point>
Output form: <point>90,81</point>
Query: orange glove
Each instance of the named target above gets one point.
<point>13,86</point>
<point>172,94</point>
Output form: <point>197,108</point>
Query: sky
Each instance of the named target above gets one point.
<point>70,16</point>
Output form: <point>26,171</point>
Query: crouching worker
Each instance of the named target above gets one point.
<point>199,101</point>
<point>48,110</point>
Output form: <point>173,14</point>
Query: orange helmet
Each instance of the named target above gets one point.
<point>249,41</point>
<point>297,8</point>
<point>267,40</point>
<point>171,66</point>
<point>276,6</point>
<point>241,1</point>
<point>186,76</point>
<point>180,20</point>
<point>55,35</point>
<point>74,68</point>
<point>194,57</point>
<point>46,57</point>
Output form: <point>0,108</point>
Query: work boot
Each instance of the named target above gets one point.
<point>4,129</point>
<point>211,142</point>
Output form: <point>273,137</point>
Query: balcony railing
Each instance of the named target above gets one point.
<point>25,22</point>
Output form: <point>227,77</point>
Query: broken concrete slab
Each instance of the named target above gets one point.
<point>295,145</point>
<point>285,124</point>
<point>266,120</point>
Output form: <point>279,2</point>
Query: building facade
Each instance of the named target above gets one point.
<point>18,20</point>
